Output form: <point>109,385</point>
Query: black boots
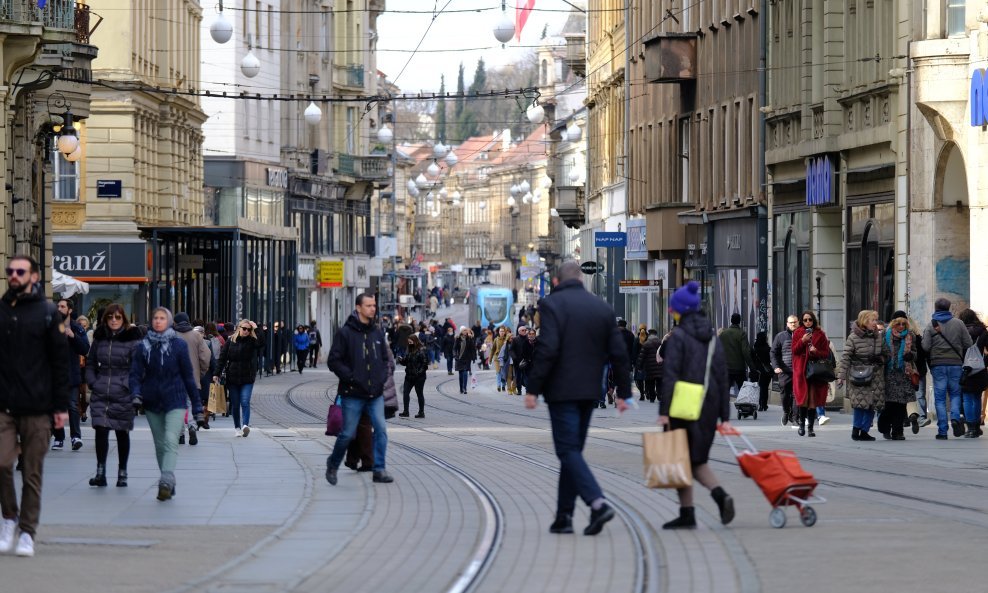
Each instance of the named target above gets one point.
<point>686,520</point>
<point>802,422</point>
<point>421,414</point>
<point>725,503</point>
<point>810,420</point>
<point>100,478</point>
<point>855,434</point>
<point>973,430</point>
<point>562,524</point>
<point>403,414</point>
<point>122,477</point>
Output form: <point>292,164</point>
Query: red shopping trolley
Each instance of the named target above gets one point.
<point>781,478</point>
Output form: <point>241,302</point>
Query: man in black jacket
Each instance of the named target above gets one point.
<point>782,364</point>
<point>34,390</point>
<point>521,356</point>
<point>359,358</point>
<point>78,346</point>
<point>578,337</point>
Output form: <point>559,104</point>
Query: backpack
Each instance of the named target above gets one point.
<point>313,338</point>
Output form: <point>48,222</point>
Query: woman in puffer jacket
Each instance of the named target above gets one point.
<point>864,349</point>
<point>108,376</point>
<point>238,365</point>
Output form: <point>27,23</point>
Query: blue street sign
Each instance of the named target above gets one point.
<point>610,239</point>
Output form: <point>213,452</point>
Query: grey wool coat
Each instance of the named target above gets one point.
<point>864,347</point>
<point>108,377</point>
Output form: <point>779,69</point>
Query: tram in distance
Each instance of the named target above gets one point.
<point>490,304</point>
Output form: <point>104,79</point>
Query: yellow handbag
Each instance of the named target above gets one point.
<point>687,398</point>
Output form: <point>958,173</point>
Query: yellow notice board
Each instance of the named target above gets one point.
<point>330,274</point>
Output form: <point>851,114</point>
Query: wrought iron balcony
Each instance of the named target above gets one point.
<point>58,16</point>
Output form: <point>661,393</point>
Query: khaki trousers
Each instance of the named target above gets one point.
<point>34,433</point>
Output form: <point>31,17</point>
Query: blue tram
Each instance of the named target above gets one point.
<point>490,304</point>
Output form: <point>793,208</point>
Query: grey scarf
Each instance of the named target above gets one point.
<point>163,340</point>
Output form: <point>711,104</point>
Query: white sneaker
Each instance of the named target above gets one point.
<point>824,420</point>
<point>240,432</point>
<point>25,546</point>
<point>8,529</point>
<point>246,430</point>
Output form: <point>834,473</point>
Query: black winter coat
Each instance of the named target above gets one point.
<point>34,356</point>
<point>521,349</point>
<point>647,358</point>
<point>686,360</point>
<point>578,337</point>
<point>416,364</point>
<point>359,357</point>
<point>108,376</point>
<point>78,346</point>
<point>238,360</point>
<point>448,345</point>
<point>466,353</point>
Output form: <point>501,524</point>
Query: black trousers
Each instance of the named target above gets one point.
<point>787,399</point>
<point>736,377</point>
<point>763,384</point>
<point>652,388</point>
<point>406,390</point>
<point>892,418</point>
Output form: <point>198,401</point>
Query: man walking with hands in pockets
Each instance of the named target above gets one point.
<point>578,336</point>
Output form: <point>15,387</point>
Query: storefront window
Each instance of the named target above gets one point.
<point>791,291</point>
<point>871,260</point>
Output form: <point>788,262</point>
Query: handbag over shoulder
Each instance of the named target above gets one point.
<point>861,375</point>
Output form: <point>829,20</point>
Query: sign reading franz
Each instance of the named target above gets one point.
<point>100,260</point>
<point>820,186</point>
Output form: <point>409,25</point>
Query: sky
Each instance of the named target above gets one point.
<point>456,34</point>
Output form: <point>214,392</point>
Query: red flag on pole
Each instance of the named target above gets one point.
<point>523,7</point>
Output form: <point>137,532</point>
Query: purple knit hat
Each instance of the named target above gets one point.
<point>686,299</point>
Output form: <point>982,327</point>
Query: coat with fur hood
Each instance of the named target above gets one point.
<point>864,347</point>
<point>108,376</point>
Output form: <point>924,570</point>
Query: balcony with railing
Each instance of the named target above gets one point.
<point>349,75</point>
<point>364,168</point>
<point>58,17</point>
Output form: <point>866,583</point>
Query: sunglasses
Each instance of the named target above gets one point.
<point>807,320</point>
<point>115,316</point>
<point>19,272</point>
<point>245,328</point>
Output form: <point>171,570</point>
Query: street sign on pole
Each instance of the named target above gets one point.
<point>639,286</point>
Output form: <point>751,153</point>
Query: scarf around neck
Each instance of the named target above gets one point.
<point>163,340</point>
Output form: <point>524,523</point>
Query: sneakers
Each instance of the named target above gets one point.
<point>562,524</point>
<point>25,546</point>
<point>8,529</point>
<point>941,437</point>
<point>383,477</point>
<point>165,491</point>
<point>57,445</point>
<point>246,430</point>
<point>925,422</point>
<point>240,432</point>
<point>823,420</point>
<point>598,518</point>
<point>76,444</point>
<point>193,437</point>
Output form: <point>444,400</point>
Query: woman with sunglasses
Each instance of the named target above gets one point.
<point>162,380</point>
<point>808,343</point>
<point>238,364</point>
<point>108,376</point>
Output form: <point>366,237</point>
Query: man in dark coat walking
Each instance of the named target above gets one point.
<point>578,337</point>
<point>78,346</point>
<point>359,357</point>
<point>782,364</point>
<point>34,391</point>
<point>521,355</point>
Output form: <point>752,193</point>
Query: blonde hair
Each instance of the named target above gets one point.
<point>864,316</point>
<point>240,324</point>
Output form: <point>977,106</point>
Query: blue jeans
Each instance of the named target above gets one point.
<point>464,377</point>
<point>502,376</point>
<point>353,408</point>
<point>239,396</point>
<point>570,423</point>
<point>862,419</point>
<point>921,398</point>
<point>449,365</point>
<point>946,380</point>
<point>821,411</point>
<point>972,407</point>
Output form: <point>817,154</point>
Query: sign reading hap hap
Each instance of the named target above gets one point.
<point>979,98</point>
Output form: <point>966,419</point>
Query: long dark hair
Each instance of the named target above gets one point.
<point>816,322</point>
<point>110,310</point>
<point>416,343</point>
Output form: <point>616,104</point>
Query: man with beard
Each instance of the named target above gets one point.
<point>34,391</point>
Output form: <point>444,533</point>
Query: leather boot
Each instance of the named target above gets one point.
<point>973,430</point>
<point>100,478</point>
<point>725,504</point>
<point>686,520</point>
<point>810,419</point>
<point>802,422</point>
<point>855,434</point>
<point>122,477</point>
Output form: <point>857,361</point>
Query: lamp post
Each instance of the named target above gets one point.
<point>68,145</point>
<point>385,135</point>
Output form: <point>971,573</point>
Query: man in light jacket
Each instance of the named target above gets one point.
<point>945,341</point>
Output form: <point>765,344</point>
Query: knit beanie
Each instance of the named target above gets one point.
<point>686,299</point>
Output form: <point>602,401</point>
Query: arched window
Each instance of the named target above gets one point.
<point>545,72</point>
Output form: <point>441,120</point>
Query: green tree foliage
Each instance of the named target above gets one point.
<point>441,110</point>
<point>461,101</point>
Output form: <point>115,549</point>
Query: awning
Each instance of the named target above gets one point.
<point>67,286</point>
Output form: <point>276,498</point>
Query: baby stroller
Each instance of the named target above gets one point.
<point>780,477</point>
<point>746,401</point>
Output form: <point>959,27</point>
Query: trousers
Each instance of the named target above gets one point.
<point>34,432</point>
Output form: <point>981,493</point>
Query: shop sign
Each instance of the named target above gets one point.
<point>639,286</point>
<point>979,98</point>
<point>602,239</point>
<point>100,259</point>
<point>330,274</point>
<point>820,184</point>
<point>591,267</point>
<point>357,273</point>
<point>278,177</point>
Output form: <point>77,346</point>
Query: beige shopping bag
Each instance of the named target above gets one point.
<point>667,459</point>
<point>217,399</point>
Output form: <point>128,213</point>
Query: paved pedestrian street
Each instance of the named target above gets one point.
<point>473,496</point>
